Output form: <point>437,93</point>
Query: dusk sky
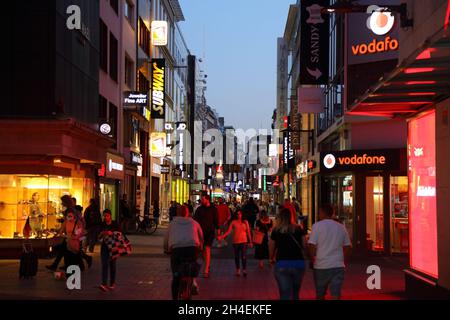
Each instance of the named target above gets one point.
<point>238,40</point>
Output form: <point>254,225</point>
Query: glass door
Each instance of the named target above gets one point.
<point>399,215</point>
<point>374,213</point>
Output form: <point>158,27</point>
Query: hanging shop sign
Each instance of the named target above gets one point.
<point>181,128</point>
<point>288,152</point>
<point>159,33</point>
<point>136,158</point>
<point>311,100</point>
<point>114,166</point>
<point>314,51</point>
<point>363,160</point>
<point>373,35</point>
<point>105,128</point>
<point>158,89</point>
<point>158,144</point>
<point>177,172</point>
<point>134,98</point>
<point>165,169</point>
<point>146,113</point>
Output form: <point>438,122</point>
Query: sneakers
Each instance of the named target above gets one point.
<point>238,273</point>
<point>103,287</point>
<point>112,287</point>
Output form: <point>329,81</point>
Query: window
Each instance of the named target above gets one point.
<point>129,75</point>
<point>113,57</point>
<point>144,37</point>
<point>102,108</point>
<point>143,83</point>
<point>115,5</point>
<point>103,46</point>
<point>128,11</point>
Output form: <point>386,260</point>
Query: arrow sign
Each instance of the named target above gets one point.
<point>314,49</point>
<point>315,73</point>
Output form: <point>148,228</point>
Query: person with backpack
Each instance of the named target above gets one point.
<point>286,251</point>
<point>93,220</point>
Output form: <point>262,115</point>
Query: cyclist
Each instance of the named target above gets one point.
<point>184,241</point>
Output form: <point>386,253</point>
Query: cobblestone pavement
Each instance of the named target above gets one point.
<point>145,275</point>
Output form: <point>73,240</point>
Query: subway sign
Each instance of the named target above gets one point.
<point>363,160</point>
<point>158,100</point>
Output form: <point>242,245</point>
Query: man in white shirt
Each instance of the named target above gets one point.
<point>328,243</point>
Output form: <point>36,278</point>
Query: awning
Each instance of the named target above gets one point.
<point>420,81</point>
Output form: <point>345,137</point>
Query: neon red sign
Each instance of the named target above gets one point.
<point>422,194</point>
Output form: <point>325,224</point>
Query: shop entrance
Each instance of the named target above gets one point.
<point>386,207</point>
<point>108,199</point>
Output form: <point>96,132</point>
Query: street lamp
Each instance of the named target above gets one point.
<point>347,6</point>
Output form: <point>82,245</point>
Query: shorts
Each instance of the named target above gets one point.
<point>329,278</point>
<point>208,237</point>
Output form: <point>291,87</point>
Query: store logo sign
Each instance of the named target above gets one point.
<point>159,33</point>
<point>158,89</point>
<point>105,128</point>
<point>380,21</point>
<point>329,161</point>
<point>114,166</point>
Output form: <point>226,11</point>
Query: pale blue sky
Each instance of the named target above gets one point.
<point>239,41</point>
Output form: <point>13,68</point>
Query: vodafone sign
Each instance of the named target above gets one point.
<point>364,160</point>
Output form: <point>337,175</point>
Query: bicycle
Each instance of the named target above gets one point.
<point>145,224</point>
<point>187,272</point>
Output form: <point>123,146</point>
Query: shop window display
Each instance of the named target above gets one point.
<point>375,213</point>
<point>399,215</point>
<point>37,197</point>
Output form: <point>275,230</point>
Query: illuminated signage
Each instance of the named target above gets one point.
<point>114,166</point>
<point>388,159</point>
<point>158,89</point>
<point>288,152</point>
<point>133,98</point>
<point>380,21</point>
<point>422,194</point>
<point>165,169</point>
<point>373,35</point>
<point>105,128</point>
<point>158,144</point>
<point>159,33</point>
<point>146,113</point>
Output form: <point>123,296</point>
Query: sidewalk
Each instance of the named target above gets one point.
<point>145,275</point>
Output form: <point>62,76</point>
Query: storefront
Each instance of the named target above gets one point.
<point>307,174</point>
<point>111,178</point>
<point>369,189</point>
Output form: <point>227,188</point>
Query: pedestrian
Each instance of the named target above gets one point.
<point>109,265</point>
<point>288,205</point>
<point>263,225</point>
<point>242,238</point>
<point>223,216</point>
<point>206,215</point>
<point>172,210</point>
<point>328,244</point>
<point>156,212</point>
<point>68,205</point>
<point>250,212</point>
<point>93,220</point>
<point>184,241</point>
<point>124,213</point>
<point>77,207</point>
<point>286,251</point>
<point>190,207</point>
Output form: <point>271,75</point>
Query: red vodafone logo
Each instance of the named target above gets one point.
<point>380,21</point>
<point>329,161</point>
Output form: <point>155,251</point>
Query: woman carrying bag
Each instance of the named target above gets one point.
<point>286,249</point>
<point>242,238</point>
<point>261,238</point>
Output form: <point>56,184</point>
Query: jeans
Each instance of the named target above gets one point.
<point>289,281</point>
<point>178,256</point>
<point>329,278</point>
<point>108,264</point>
<point>240,254</point>
<point>91,237</point>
